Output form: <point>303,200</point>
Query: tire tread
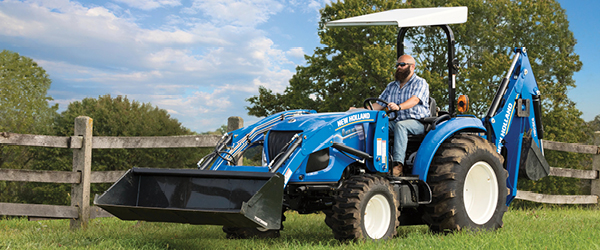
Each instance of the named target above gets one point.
<point>443,178</point>
<point>345,218</point>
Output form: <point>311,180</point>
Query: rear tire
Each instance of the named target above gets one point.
<point>468,184</point>
<point>365,208</point>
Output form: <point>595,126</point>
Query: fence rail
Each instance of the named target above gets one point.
<point>57,176</point>
<point>83,142</point>
<point>39,211</point>
<point>557,199</point>
<point>572,147</point>
<point>574,173</point>
<point>105,142</point>
<point>40,140</point>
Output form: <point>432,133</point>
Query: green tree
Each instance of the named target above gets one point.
<point>24,109</point>
<point>594,125</point>
<point>357,62</point>
<point>112,117</point>
<point>24,106</point>
<point>220,131</point>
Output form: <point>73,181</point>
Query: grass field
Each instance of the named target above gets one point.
<point>545,228</point>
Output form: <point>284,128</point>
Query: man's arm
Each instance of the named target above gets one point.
<point>408,104</point>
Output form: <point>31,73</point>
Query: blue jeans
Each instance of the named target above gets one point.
<point>401,131</point>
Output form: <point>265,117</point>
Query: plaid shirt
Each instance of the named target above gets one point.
<point>416,86</point>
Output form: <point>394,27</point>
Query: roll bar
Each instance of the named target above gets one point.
<point>452,62</point>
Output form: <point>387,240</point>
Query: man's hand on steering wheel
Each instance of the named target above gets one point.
<point>393,106</point>
<point>368,105</point>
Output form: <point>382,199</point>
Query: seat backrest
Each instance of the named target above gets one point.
<point>433,107</point>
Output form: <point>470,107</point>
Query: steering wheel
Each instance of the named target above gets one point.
<point>368,105</point>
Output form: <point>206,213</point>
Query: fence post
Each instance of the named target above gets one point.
<point>596,166</point>
<point>233,123</point>
<point>82,162</point>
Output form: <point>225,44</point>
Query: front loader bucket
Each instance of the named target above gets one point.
<point>230,198</point>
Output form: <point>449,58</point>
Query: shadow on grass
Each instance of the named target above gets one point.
<point>300,231</point>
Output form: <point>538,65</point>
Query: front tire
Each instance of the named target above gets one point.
<point>365,208</point>
<point>468,184</point>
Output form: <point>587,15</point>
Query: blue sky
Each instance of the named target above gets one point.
<point>200,59</point>
<point>584,22</point>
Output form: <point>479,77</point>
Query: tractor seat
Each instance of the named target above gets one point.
<point>435,116</point>
<point>429,122</point>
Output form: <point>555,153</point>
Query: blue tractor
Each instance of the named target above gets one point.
<point>462,173</point>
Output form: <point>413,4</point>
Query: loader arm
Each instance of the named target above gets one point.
<point>236,142</point>
<point>514,126</point>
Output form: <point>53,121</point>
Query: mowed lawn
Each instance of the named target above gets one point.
<point>544,228</point>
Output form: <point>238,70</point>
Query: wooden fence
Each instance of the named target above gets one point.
<point>81,177</point>
<point>592,175</point>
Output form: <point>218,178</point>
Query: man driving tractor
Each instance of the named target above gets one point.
<point>408,95</point>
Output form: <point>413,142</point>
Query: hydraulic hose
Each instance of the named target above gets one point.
<point>203,163</point>
<point>537,109</point>
<point>498,98</point>
<point>287,153</point>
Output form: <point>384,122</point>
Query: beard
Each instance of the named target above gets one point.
<point>402,74</point>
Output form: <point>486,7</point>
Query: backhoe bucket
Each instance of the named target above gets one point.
<point>230,198</point>
<point>533,164</point>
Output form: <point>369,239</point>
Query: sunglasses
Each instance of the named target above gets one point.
<point>402,64</point>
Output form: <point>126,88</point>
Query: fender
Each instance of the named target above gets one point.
<point>434,139</point>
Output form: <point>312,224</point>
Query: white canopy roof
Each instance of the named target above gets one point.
<point>407,17</point>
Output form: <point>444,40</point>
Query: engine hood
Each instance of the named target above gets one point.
<point>312,123</point>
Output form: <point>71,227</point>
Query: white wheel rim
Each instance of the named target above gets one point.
<point>377,216</point>
<point>480,192</point>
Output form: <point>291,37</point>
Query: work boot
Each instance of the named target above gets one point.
<point>397,169</point>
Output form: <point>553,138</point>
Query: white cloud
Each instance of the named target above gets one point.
<point>78,73</point>
<point>205,63</point>
<point>65,26</point>
<point>166,37</point>
<point>150,4</point>
<point>262,50</point>
<point>202,111</point>
<point>297,52</point>
<point>183,60</point>
<point>274,80</point>
<point>236,12</point>
<point>316,5</point>
<point>59,5</point>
